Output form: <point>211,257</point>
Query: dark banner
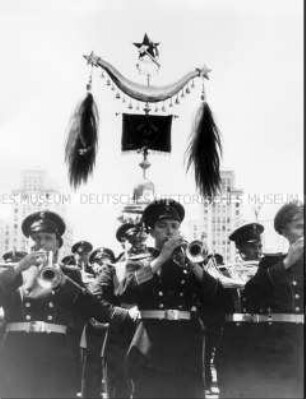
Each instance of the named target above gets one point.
<point>151,131</point>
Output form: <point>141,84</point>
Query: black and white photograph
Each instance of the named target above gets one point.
<point>152,199</point>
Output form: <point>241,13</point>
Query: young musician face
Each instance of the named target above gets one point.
<point>295,229</point>
<point>45,241</point>
<point>251,250</point>
<point>163,230</point>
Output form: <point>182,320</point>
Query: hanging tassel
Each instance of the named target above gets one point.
<point>82,143</point>
<point>204,151</point>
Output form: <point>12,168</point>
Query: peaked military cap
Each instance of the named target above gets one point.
<point>68,260</point>
<point>13,256</point>
<point>163,209</point>
<point>100,253</point>
<point>122,230</point>
<point>44,221</point>
<point>81,247</point>
<point>247,233</point>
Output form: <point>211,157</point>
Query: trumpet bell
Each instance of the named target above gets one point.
<point>196,251</point>
<point>50,277</point>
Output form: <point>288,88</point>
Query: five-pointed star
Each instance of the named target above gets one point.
<point>147,47</point>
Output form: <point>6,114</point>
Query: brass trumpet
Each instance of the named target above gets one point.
<point>50,275</point>
<point>195,251</point>
<point>231,281</point>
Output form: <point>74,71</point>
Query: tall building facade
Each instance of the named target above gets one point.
<point>218,218</point>
<point>34,194</point>
<point>4,236</point>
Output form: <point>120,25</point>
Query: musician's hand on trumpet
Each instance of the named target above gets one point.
<point>35,258</point>
<point>170,246</point>
<point>41,267</point>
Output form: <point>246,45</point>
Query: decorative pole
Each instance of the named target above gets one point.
<point>147,64</point>
<point>144,164</point>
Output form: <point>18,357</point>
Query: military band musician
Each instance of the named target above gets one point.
<point>38,349</point>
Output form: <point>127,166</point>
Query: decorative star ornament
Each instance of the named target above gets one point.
<point>147,48</point>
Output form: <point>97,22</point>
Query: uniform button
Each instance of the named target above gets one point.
<point>297,309</point>
<point>28,317</point>
<point>51,305</point>
<point>243,299</point>
<point>185,271</point>
<point>183,282</point>
<point>161,306</point>
<point>244,310</point>
<point>27,304</point>
<point>180,306</point>
<point>160,293</point>
<point>193,308</point>
<point>181,294</point>
<point>50,317</point>
<point>294,282</point>
<point>297,296</point>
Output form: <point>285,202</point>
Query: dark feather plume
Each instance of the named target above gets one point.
<point>204,151</point>
<point>82,142</point>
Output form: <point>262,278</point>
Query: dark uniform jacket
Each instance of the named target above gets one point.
<point>263,357</point>
<point>118,335</point>
<point>41,364</point>
<point>275,289</point>
<point>165,356</point>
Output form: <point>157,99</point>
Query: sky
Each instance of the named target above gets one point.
<point>255,51</point>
